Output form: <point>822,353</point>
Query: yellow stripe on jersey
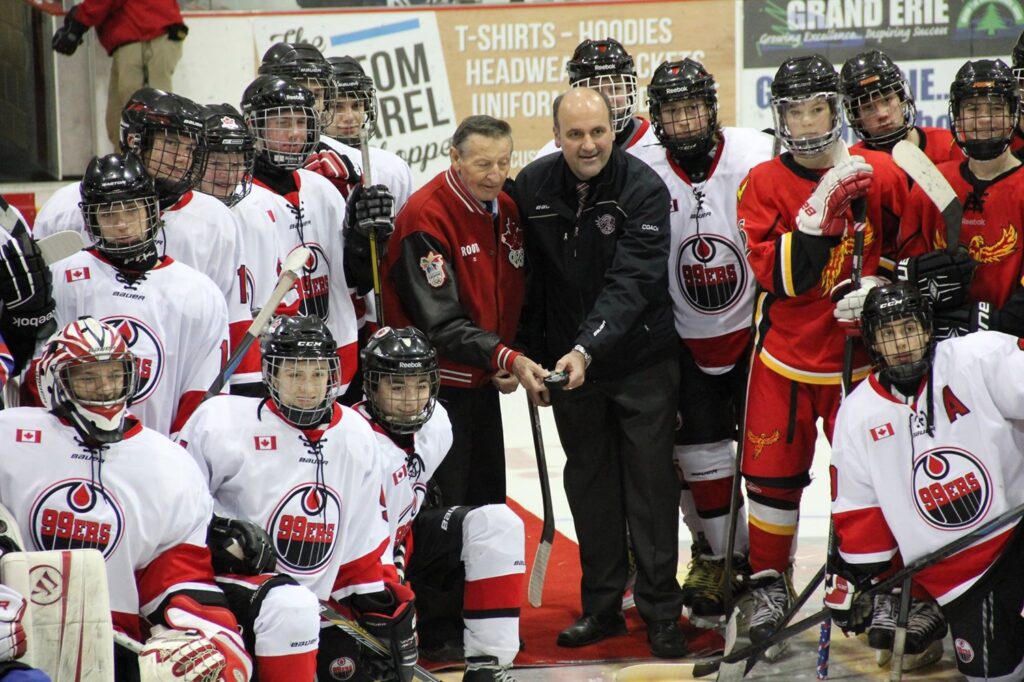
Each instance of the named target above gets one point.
<point>785,251</point>
<point>773,528</point>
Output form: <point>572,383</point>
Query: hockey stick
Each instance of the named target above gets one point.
<point>364,145</point>
<point>365,639</point>
<point>899,641</point>
<point>920,168</point>
<point>289,273</point>
<point>547,533</point>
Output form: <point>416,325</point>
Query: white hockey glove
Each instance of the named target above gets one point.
<point>850,302</point>
<point>180,656</point>
<point>184,613</point>
<point>12,634</point>
<point>826,213</point>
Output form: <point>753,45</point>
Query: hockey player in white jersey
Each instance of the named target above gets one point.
<point>82,473</point>
<point>605,66</point>
<point>306,470</point>
<point>171,316</point>
<point>712,290</point>
<point>433,547</point>
<point>925,449</point>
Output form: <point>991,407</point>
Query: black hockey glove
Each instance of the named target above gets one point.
<point>26,286</point>
<point>940,276</point>
<point>848,608</point>
<point>371,209</point>
<point>68,37</point>
<point>390,616</point>
<point>964,320</point>
<point>240,547</point>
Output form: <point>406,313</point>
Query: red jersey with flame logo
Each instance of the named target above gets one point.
<point>797,335</point>
<point>937,144</point>
<point>897,488</point>
<point>990,229</point>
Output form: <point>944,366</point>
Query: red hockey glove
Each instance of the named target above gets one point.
<point>826,213</point>
<point>337,168</point>
<point>218,625</point>
<point>12,634</point>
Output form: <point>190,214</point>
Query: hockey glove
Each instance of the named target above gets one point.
<point>371,210</point>
<point>185,613</point>
<point>180,655</point>
<point>390,616</point>
<point>12,634</point>
<point>26,287</point>
<point>850,303</point>
<point>848,609</point>
<point>827,212</point>
<point>241,547</point>
<point>337,168</point>
<point>964,320</point>
<point>942,277</point>
<point>68,37</point>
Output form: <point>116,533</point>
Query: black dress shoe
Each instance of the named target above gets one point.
<point>590,629</point>
<point>666,639</point>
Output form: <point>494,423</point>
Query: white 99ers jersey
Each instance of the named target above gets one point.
<point>172,319</point>
<point>316,493</point>
<point>386,168</point>
<point>897,487</point>
<point>259,215</point>
<point>710,282</point>
<point>141,502</point>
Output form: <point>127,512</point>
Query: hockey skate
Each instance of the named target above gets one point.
<point>699,572</point>
<point>708,607</point>
<point>773,596</point>
<point>883,623</point>
<point>926,628</point>
<point>486,669</point>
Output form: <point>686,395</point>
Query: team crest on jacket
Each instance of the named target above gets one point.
<point>606,224</point>
<point>512,237</point>
<point>303,527</point>
<point>952,488</point>
<point>712,274</point>
<point>314,286</point>
<point>148,349</point>
<point>433,267</point>
<point>76,514</point>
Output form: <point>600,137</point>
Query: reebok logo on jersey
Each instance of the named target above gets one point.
<point>76,275</point>
<point>265,442</point>
<point>883,431</point>
<point>28,436</point>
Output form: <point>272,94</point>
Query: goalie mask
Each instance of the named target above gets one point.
<point>355,104</point>
<point>88,376</point>
<point>231,155</point>
<point>301,369</point>
<point>120,209</point>
<point>984,103</point>
<point>684,108</point>
<point>400,378</point>
<point>805,105</point>
<point>283,121</point>
<point>896,324</point>
<point>605,65</point>
<point>877,99</point>
<point>306,65</point>
<point>165,131</point>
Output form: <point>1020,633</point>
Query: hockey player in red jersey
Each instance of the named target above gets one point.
<point>431,547</point>
<point>880,107</point>
<point>978,286</point>
<point>305,470</point>
<point>796,213</point>
<point>924,450</point>
<point>83,473</point>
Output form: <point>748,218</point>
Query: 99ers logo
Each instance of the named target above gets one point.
<point>148,349</point>
<point>304,526</point>
<point>77,514</point>
<point>952,489</point>
<point>711,273</point>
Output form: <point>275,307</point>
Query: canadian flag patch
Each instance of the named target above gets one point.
<point>265,442</point>
<point>399,475</point>
<point>883,431</point>
<point>28,436</point>
<point>76,274</point>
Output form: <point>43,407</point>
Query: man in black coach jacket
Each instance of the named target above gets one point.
<point>598,307</point>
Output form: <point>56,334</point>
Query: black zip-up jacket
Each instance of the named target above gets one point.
<point>600,282</point>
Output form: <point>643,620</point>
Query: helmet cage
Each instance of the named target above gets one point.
<point>853,105</point>
<point>229,166</point>
<point>353,89</point>
<point>882,349</point>
<point>171,176</point>
<point>679,143</point>
<point>620,88</point>
<point>1000,128</point>
<point>317,77</point>
<point>268,144</point>
<point>303,416</point>
<point>117,214</point>
<point>400,415</point>
<point>806,146</point>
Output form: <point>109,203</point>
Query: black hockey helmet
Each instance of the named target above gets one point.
<point>276,109</point>
<point>231,153</point>
<point>992,80</point>
<point>798,80</point>
<point>606,66</point>
<point>304,63</point>
<point>1018,63</point>
<point>299,352</point>
<point>396,353</point>
<point>901,352</point>
<point>114,189</point>
<point>352,85</point>
<point>178,162</point>
<point>683,80</point>
<point>873,75</point>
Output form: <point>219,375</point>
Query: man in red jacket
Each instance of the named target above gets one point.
<point>143,36</point>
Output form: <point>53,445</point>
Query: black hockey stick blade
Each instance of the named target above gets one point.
<point>920,168</point>
<point>366,640</point>
<point>538,572</point>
